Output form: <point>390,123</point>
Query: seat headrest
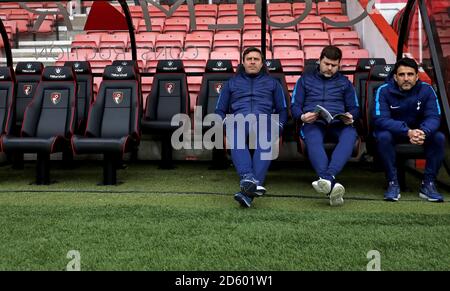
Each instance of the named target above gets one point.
<point>119,73</point>
<point>240,68</point>
<point>125,63</point>
<point>274,66</point>
<point>170,66</point>
<point>312,62</point>
<point>81,67</point>
<point>6,74</point>
<point>366,64</point>
<point>219,66</point>
<point>381,72</point>
<point>58,73</point>
<point>34,68</point>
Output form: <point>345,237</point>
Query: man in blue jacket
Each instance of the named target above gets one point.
<point>253,95</point>
<point>407,110</point>
<point>333,91</point>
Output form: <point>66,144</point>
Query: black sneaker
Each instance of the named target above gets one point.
<point>243,199</point>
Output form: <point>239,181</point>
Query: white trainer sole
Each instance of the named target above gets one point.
<point>322,186</point>
<point>337,194</point>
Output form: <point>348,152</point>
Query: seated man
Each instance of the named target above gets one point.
<point>333,91</point>
<point>407,110</point>
<point>253,95</point>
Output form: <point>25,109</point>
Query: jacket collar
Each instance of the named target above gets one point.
<point>394,89</point>
<point>319,75</point>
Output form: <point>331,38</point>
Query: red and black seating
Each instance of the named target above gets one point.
<point>217,73</point>
<point>28,76</point>
<point>113,127</point>
<point>6,100</point>
<point>169,96</point>
<point>276,70</point>
<point>85,91</point>
<point>49,120</point>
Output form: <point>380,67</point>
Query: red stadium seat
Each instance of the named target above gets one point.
<point>292,60</point>
<point>234,56</point>
<point>312,38</point>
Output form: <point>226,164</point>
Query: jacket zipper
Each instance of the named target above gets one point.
<point>324,93</point>
<point>251,95</point>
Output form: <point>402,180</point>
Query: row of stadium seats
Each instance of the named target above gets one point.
<point>95,42</point>
<point>51,123</point>
<point>59,111</point>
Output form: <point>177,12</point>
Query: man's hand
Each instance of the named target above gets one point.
<point>416,136</point>
<point>309,117</point>
<point>349,120</point>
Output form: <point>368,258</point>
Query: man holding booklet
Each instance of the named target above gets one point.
<point>326,102</point>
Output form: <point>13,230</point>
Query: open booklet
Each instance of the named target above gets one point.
<point>325,114</point>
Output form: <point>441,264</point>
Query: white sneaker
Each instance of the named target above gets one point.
<point>260,191</point>
<point>322,186</point>
<point>337,194</point>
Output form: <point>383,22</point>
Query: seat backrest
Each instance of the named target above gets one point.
<point>311,65</point>
<point>217,73</point>
<point>53,109</point>
<point>276,70</point>
<point>362,74</point>
<point>115,111</point>
<point>28,76</point>
<point>378,75</point>
<point>6,99</point>
<point>135,66</point>
<point>85,91</point>
<point>169,94</point>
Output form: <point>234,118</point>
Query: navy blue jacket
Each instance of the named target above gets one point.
<point>257,94</point>
<point>398,111</point>
<point>336,94</point>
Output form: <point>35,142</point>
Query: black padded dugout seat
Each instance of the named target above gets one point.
<point>217,73</point>
<point>135,66</point>
<point>276,70</point>
<point>378,75</point>
<point>28,76</point>
<point>113,124</point>
<point>363,68</point>
<point>310,65</point>
<point>85,91</point>
<point>6,99</point>
<point>404,151</point>
<point>169,96</point>
<point>49,120</point>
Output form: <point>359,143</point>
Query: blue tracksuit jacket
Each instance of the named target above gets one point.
<point>259,94</point>
<point>336,94</point>
<point>398,111</point>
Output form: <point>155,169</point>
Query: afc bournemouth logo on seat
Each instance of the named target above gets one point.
<point>55,97</point>
<point>118,97</point>
<point>218,87</point>
<point>27,89</point>
<point>170,87</point>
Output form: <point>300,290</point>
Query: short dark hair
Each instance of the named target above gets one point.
<point>406,62</point>
<point>251,49</point>
<point>331,52</point>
